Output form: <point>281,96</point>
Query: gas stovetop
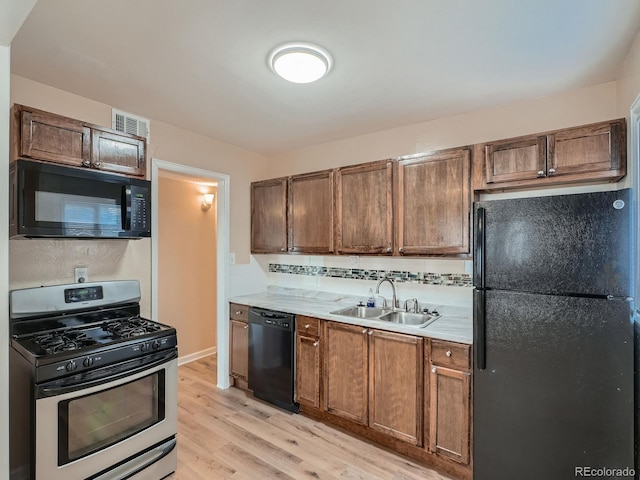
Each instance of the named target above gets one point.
<point>80,332</point>
<point>69,329</point>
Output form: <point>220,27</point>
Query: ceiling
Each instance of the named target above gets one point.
<point>202,64</point>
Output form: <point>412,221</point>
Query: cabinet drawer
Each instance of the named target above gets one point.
<point>453,355</point>
<point>238,312</point>
<point>308,326</point>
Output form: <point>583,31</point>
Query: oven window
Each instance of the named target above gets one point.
<point>96,421</point>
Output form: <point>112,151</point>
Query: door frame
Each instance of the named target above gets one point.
<point>222,278</point>
<point>634,162</point>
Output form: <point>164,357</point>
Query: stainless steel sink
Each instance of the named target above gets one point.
<point>361,312</point>
<point>407,318</point>
<point>387,315</point>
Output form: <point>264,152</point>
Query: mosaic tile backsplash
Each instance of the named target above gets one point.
<point>425,278</point>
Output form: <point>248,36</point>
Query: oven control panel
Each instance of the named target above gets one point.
<point>103,357</point>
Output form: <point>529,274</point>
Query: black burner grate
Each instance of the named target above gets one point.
<point>64,341</point>
<point>131,327</point>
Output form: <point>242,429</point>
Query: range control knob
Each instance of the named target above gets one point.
<point>144,347</point>
<point>155,345</point>
<point>71,366</point>
<point>87,362</point>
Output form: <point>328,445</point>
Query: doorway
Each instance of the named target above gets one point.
<point>189,265</point>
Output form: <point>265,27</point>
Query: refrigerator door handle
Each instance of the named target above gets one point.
<point>479,341</point>
<point>478,257</point>
<point>619,298</point>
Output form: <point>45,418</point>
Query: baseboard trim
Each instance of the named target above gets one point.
<point>197,355</point>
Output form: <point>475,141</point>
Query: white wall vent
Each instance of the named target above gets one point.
<point>129,123</point>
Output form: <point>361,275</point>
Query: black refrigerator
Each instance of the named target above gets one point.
<point>553,337</point>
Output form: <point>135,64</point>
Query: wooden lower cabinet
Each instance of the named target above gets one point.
<point>308,361</point>
<point>395,385</point>
<point>346,358</point>
<point>382,386</point>
<point>240,350</point>
<point>449,423</point>
<point>374,378</point>
<point>239,345</point>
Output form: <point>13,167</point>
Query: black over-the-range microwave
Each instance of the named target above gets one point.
<point>48,200</point>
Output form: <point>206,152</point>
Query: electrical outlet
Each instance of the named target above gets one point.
<point>81,274</point>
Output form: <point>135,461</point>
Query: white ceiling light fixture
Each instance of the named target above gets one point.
<point>300,62</point>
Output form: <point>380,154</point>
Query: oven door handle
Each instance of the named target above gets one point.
<point>103,375</point>
<point>141,462</point>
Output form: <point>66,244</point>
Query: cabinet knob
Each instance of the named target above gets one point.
<point>239,312</point>
<point>364,331</point>
<point>434,370</point>
<point>552,171</point>
<point>246,326</point>
<point>448,353</point>
<point>86,163</point>
<point>401,249</point>
<point>315,344</point>
<point>307,326</point>
<point>283,249</point>
<point>96,164</point>
<point>389,249</point>
<point>370,332</point>
<point>541,173</point>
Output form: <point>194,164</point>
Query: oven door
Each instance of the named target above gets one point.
<point>110,423</point>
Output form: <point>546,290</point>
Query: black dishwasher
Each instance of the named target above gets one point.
<point>271,357</point>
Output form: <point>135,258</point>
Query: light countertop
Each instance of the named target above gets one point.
<point>454,324</point>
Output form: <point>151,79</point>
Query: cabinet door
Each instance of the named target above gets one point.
<point>592,148</point>
<point>308,371</point>
<point>449,434</point>
<point>118,152</point>
<point>395,385</point>
<point>53,138</point>
<point>365,208</point>
<point>434,203</point>
<point>311,213</point>
<point>269,216</point>
<point>523,158</point>
<point>346,371</point>
<point>239,349</point>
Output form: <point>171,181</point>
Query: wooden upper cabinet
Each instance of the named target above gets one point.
<point>433,203</point>
<point>588,153</point>
<point>53,138</point>
<point>395,385</point>
<point>311,213</point>
<point>519,159</point>
<point>593,148</point>
<point>346,371</point>
<point>118,152</point>
<point>49,137</point>
<point>269,216</point>
<point>364,208</point>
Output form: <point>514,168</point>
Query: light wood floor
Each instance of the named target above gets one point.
<point>224,434</point>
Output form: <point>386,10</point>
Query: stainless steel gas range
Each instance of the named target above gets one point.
<point>93,392</point>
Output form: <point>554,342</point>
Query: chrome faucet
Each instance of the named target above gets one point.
<point>416,305</point>
<point>394,299</point>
